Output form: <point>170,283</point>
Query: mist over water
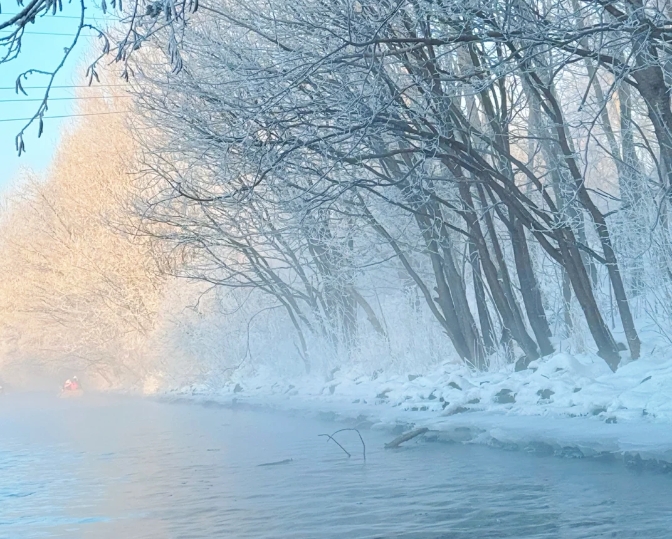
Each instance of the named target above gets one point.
<point>108,467</point>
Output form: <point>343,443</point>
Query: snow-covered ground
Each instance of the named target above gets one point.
<point>570,405</point>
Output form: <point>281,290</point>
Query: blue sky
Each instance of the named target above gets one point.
<point>42,49</point>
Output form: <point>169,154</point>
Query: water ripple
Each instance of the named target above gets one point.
<point>110,468</point>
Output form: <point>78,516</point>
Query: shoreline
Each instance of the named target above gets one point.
<point>636,445</point>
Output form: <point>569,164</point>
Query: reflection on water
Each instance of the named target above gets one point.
<point>125,468</point>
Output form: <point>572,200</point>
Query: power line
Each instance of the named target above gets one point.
<point>64,116</point>
<point>65,86</point>
<point>48,16</point>
<point>74,98</point>
<point>30,32</point>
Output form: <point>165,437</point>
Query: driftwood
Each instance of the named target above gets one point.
<point>278,463</point>
<point>331,437</point>
<point>405,437</point>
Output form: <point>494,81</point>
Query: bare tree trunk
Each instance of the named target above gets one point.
<point>564,141</point>
<point>370,313</point>
<point>529,288</point>
<point>451,328</point>
<point>303,351</point>
<point>459,294</point>
<point>511,322</point>
<point>576,271</point>
<point>615,276</point>
<point>452,296</point>
<point>567,301</point>
<point>445,297</point>
<point>481,301</point>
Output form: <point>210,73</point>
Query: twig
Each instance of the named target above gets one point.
<point>360,439</point>
<point>278,463</point>
<point>405,437</point>
<point>331,437</point>
<point>336,442</point>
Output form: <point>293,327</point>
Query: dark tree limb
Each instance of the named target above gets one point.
<point>405,437</point>
<point>331,437</point>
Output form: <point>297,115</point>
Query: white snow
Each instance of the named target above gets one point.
<point>561,404</point>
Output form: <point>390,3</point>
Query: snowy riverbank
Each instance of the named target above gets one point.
<point>572,406</point>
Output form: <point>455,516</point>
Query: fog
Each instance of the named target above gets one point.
<point>446,225</point>
<point>109,467</point>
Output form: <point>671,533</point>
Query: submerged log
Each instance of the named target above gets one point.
<point>278,463</point>
<point>405,437</point>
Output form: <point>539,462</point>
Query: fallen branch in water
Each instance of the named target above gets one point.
<point>278,463</point>
<point>331,437</point>
<point>405,438</point>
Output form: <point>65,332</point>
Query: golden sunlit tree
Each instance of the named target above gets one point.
<point>78,291</point>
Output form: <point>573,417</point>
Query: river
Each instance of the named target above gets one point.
<point>125,468</point>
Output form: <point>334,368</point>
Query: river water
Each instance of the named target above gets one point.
<point>102,467</point>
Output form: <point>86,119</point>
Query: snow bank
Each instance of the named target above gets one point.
<point>570,405</point>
